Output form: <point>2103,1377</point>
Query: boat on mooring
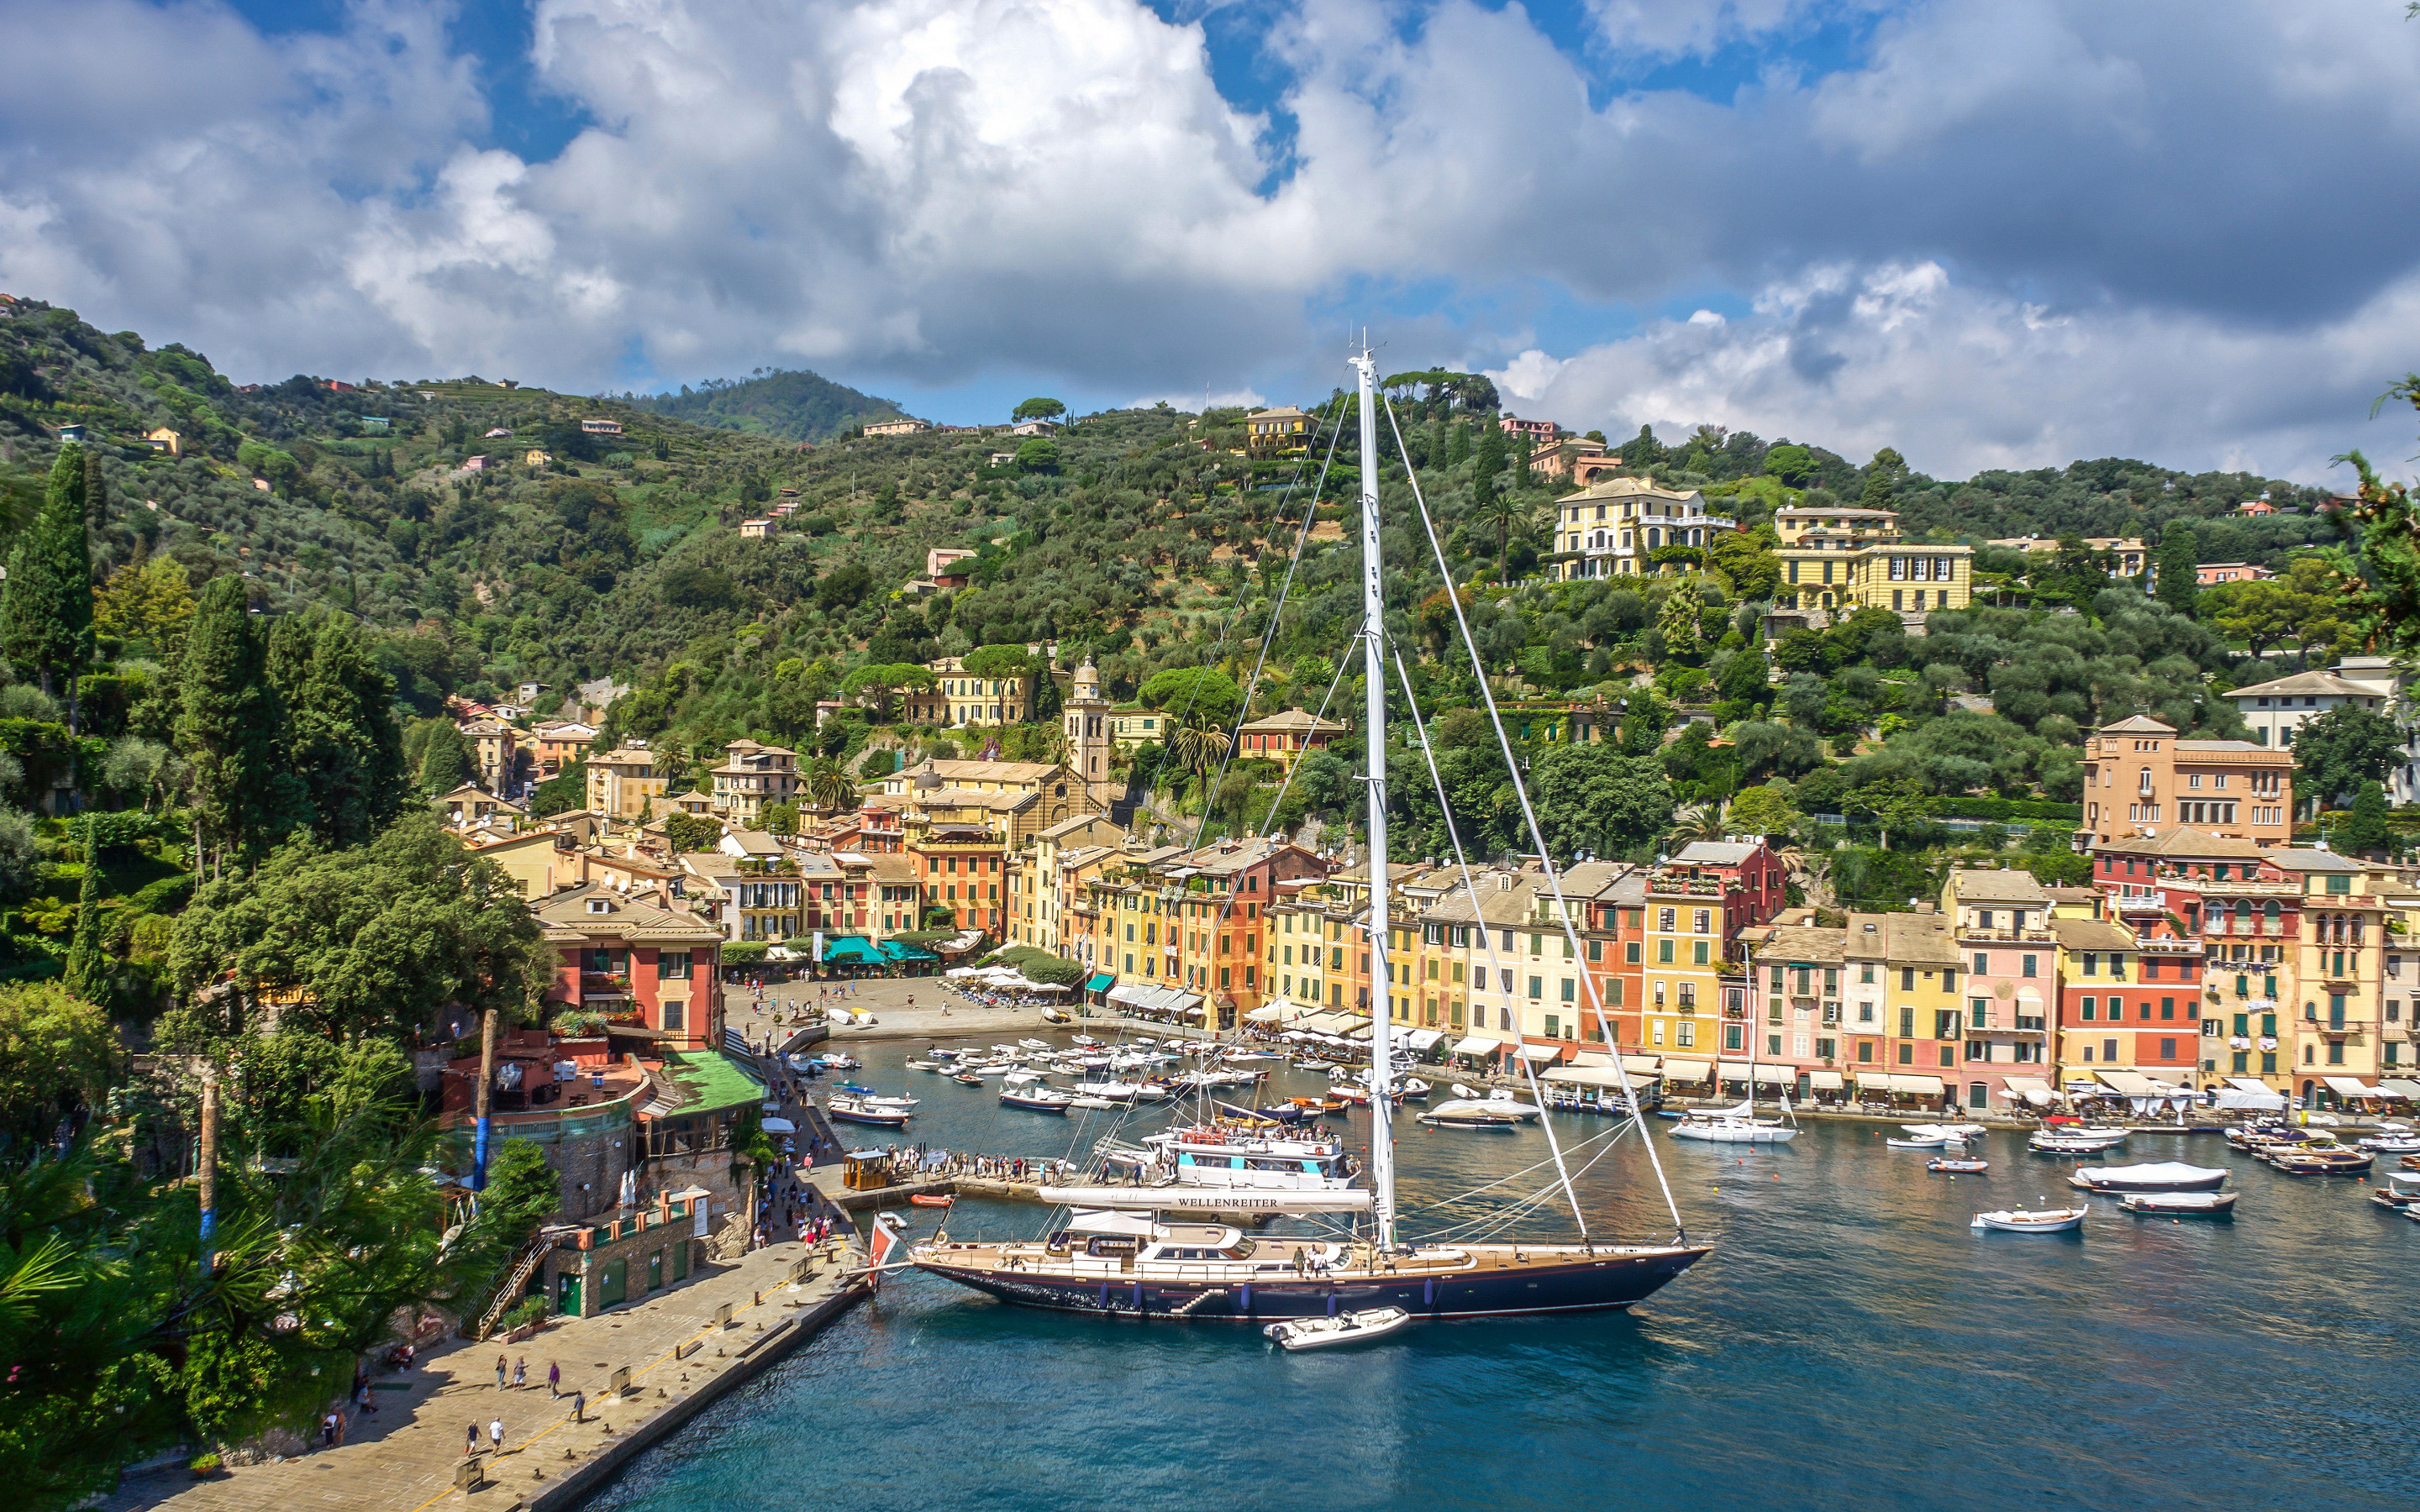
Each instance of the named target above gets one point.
<point>2041,1221</point>
<point>849,1108</point>
<point>2180,1204</point>
<point>1170,1251</point>
<point>2156,1176</point>
<point>1735,1126</point>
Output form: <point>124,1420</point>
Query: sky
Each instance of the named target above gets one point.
<point>2004,233</point>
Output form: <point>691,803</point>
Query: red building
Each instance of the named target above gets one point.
<point>639,959</point>
<point>960,869</point>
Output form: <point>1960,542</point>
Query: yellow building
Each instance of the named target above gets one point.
<point>628,783</point>
<point>2337,995</point>
<point>1851,559</point>
<point>1614,528</point>
<point>1284,431</point>
<point>1901,1010</point>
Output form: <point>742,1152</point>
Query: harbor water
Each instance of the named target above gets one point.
<point>1851,1341</point>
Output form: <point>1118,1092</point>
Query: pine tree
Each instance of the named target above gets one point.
<point>46,613</point>
<point>86,975</point>
<point>2178,584</point>
<point>225,724</point>
<point>1883,477</point>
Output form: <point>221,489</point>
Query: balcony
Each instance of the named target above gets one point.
<point>2038,937</point>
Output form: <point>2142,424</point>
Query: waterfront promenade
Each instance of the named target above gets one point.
<point>406,1456</point>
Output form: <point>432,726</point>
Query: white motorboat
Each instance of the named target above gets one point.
<point>1084,1041</point>
<point>1033,1044</point>
<point>2390,1144</point>
<point>1734,1126</point>
<point>2018,1221</point>
<point>1345,1327</point>
<point>1919,1142</point>
<point>1087,1100</point>
<point>994,1068</point>
<point>2180,1204</point>
<point>2157,1176</point>
<point>1036,1098</point>
<point>2051,1142</point>
<point>926,1065</point>
<point>1252,1158</point>
<point>848,1107</point>
<point>2401,1189</point>
<point>1115,1090</point>
<point>1959,1131</point>
<point>1498,1103</point>
<point>838,1061</point>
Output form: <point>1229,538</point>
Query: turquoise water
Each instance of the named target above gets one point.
<point>1850,1342</point>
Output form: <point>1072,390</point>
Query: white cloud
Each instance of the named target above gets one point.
<point>1961,378</point>
<point>921,191</point>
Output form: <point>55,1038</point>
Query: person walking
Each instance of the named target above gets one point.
<point>580,1407</point>
<point>368,1406</point>
<point>496,1434</point>
<point>327,1431</point>
<point>469,1438</point>
<point>500,1372</point>
<point>554,1382</point>
<point>520,1373</point>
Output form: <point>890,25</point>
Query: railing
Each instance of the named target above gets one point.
<point>532,1255</point>
<point>2040,937</point>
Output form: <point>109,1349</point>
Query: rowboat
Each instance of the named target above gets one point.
<point>1920,1142</point>
<point>1477,1122</point>
<point>1345,1327</point>
<point>926,1199</point>
<point>2018,1221</point>
<point>1957,1165</point>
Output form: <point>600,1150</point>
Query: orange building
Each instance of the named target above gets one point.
<point>2140,780</point>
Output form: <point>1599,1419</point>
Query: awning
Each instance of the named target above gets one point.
<point>2395,1086</point>
<point>1422,1039</point>
<point>1592,1057</point>
<point>2247,1083</point>
<point>1584,1076</point>
<point>1678,1069</point>
<point>1266,1013</point>
<point>1739,1070</point>
<point>1101,981</point>
<point>1732,1070</point>
<point>2349,1086</point>
<point>778,1126</point>
<point>1642,1065</point>
<point>2022,1085</point>
<point>1476,1044</point>
<point>1825,1081</point>
<point>1540,1052</point>
<point>2128,1082</point>
<point>1918,1085</point>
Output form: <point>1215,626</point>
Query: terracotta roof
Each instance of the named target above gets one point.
<point>2182,840</point>
<point>2141,724</point>
<point>567,917</point>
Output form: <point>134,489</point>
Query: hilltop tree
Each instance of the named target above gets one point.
<point>1039,409</point>
<point>1883,475</point>
<point>46,610</point>
<point>2178,583</point>
<point>1205,691</point>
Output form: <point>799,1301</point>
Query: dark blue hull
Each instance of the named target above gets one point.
<point>1577,1282</point>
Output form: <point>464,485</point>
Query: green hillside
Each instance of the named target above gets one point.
<point>790,406</point>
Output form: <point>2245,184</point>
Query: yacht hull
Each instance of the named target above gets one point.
<point>1551,1279</point>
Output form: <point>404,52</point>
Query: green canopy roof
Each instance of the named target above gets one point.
<point>713,1081</point>
<point>1101,981</point>
<point>899,950</point>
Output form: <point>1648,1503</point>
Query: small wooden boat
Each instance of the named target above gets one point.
<point>2401,1189</point>
<point>2181,1204</point>
<point>1957,1165</point>
<point>1037,1099</point>
<point>1330,1103</point>
<point>1919,1142</point>
<point>850,1109</point>
<point>925,1065</point>
<point>2329,1160</point>
<point>967,1078</point>
<point>2045,1221</point>
<point>926,1199</point>
<point>1345,1327</point>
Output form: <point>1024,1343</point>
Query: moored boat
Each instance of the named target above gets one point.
<point>1036,1098</point>
<point>2156,1176</point>
<point>849,1108</point>
<point>1957,1165</point>
<point>2321,1160</point>
<point>1472,1122</point>
<point>1734,1126</point>
<point>2181,1204</point>
<point>2048,1142</point>
<point>2401,1189</point>
<point>2020,1221</point>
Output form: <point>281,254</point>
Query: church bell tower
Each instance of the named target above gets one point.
<point>1089,746</point>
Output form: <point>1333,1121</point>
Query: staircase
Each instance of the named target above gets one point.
<point>525,1264</point>
<point>1185,1308</point>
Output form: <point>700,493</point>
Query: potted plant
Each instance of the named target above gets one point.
<point>204,1465</point>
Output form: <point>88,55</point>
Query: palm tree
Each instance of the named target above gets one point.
<point>1196,744</point>
<point>827,785</point>
<point>1504,509</point>
<point>1695,822</point>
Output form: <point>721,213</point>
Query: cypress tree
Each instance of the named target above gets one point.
<point>446,764</point>
<point>224,727</point>
<point>2178,584</point>
<point>344,746</point>
<point>46,612</point>
<point>85,976</point>
<point>2366,831</point>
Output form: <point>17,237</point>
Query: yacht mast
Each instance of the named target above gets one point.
<point>1374,672</point>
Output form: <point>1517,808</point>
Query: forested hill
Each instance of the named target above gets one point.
<point>792,405</point>
<point>500,535</point>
